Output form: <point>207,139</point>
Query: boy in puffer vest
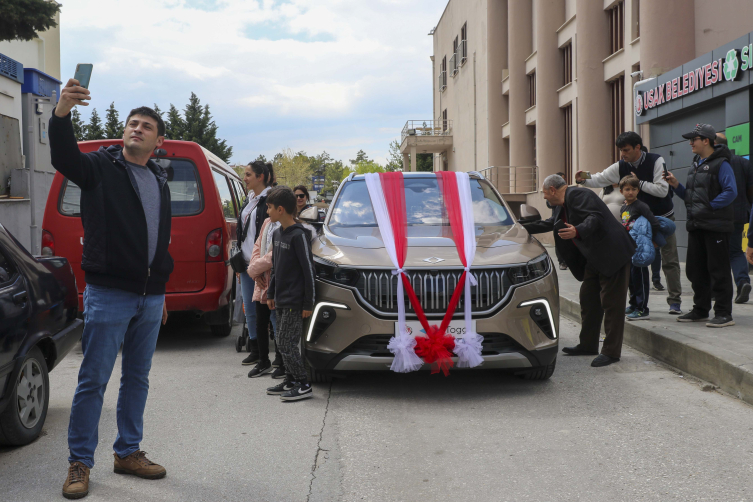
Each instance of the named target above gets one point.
<point>631,210</point>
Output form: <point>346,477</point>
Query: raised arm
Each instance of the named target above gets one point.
<point>609,176</point>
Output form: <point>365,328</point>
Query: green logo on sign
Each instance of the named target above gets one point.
<point>731,65</point>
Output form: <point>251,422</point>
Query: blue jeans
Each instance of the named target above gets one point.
<point>656,267</point>
<point>737,256</point>
<point>249,307</point>
<point>113,317</point>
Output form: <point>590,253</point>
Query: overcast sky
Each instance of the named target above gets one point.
<point>312,75</point>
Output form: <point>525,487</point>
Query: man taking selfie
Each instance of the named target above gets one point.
<point>125,212</point>
<point>654,191</point>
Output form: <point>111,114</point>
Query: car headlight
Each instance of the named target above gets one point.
<point>329,271</point>
<point>534,269</point>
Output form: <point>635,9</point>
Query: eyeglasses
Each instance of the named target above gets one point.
<point>692,140</point>
<point>301,195</point>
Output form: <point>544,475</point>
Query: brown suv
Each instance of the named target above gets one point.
<point>515,304</point>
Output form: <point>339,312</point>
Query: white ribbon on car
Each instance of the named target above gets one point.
<point>468,348</point>
<point>401,345</point>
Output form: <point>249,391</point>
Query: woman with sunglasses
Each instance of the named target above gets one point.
<point>301,198</point>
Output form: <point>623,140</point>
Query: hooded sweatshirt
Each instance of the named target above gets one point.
<point>291,285</point>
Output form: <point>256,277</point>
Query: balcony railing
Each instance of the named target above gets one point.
<point>463,52</point>
<point>427,128</point>
<point>442,81</point>
<point>454,68</point>
<point>510,180</point>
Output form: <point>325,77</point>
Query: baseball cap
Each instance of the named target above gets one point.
<point>702,130</point>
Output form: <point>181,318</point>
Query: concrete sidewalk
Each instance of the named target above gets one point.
<point>722,356</point>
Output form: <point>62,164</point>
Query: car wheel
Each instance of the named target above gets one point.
<point>23,418</point>
<point>224,329</point>
<point>541,373</point>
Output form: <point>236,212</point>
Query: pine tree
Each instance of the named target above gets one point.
<point>360,157</point>
<point>113,125</point>
<point>395,157</point>
<point>200,128</point>
<point>94,128</point>
<point>156,109</point>
<point>174,125</point>
<point>79,128</point>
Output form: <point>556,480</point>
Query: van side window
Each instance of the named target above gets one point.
<point>226,198</point>
<point>240,190</point>
<point>70,202</point>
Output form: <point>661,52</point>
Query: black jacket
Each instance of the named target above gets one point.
<point>701,188</point>
<point>292,283</point>
<point>241,232</point>
<point>115,231</point>
<point>602,243</point>
<point>744,179</point>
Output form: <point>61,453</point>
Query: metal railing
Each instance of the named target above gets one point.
<point>513,180</point>
<point>442,81</point>
<point>454,68</point>
<point>427,128</point>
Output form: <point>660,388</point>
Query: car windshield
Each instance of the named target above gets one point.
<point>423,202</point>
<point>182,178</point>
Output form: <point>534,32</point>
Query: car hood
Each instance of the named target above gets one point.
<point>363,246</point>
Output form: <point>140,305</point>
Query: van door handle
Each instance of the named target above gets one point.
<point>21,298</point>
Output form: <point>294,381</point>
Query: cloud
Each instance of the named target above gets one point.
<point>335,75</point>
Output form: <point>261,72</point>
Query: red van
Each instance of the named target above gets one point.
<point>206,195</point>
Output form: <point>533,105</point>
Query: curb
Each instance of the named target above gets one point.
<point>691,356</point>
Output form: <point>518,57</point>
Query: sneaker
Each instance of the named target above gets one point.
<point>693,316</point>
<point>743,293</point>
<point>638,315</point>
<point>629,310</point>
<point>278,373</point>
<point>76,485</point>
<point>260,369</point>
<point>278,360</point>
<point>675,309</point>
<point>563,266</point>
<point>720,321</point>
<point>281,388</point>
<point>137,464</point>
<point>253,356</point>
<point>300,391</point>
<point>658,286</point>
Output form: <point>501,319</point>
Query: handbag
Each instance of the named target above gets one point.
<point>237,262</point>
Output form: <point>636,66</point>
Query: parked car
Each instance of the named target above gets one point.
<point>205,196</point>
<point>515,305</point>
<point>38,327</point>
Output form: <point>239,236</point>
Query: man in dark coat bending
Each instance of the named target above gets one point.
<point>598,251</point>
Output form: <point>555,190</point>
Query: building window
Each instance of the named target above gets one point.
<point>618,112</point>
<point>616,17</point>
<point>567,113</point>
<point>532,89</point>
<point>443,75</point>
<point>567,63</point>
<point>455,59</point>
<point>444,120</point>
<point>636,24</point>
<point>464,43</point>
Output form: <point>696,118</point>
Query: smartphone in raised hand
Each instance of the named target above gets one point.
<point>586,175</point>
<point>83,74</point>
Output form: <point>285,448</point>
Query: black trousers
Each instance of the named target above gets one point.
<point>603,298</point>
<point>639,287</point>
<point>262,330</point>
<point>708,269</point>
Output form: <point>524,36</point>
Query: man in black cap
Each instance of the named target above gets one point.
<point>708,196</point>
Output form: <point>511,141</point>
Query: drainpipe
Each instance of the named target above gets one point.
<point>475,122</point>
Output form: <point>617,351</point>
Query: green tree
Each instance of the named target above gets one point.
<point>174,125</point>
<point>200,128</point>
<point>260,158</point>
<point>364,167</point>
<point>23,19</point>
<point>79,128</point>
<point>113,125</point>
<point>424,162</point>
<point>94,128</point>
<point>360,157</point>
<point>395,159</point>
<point>334,172</point>
<point>319,163</point>
<point>292,168</point>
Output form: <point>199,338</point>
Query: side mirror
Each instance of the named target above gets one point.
<point>309,215</point>
<point>528,214</point>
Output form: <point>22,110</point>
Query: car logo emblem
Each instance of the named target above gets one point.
<point>433,259</point>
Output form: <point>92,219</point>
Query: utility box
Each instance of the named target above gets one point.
<point>40,84</point>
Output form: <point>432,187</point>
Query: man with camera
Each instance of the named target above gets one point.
<point>125,212</point>
<point>649,169</point>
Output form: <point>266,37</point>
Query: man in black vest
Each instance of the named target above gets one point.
<point>654,191</point>
<point>708,197</point>
<point>598,251</point>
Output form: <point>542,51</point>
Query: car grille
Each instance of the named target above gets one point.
<point>433,288</point>
<point>376,345</point>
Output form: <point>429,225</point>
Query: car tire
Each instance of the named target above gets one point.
<point>222,330</point>
<point>23,419</point>
<point>541,373</point>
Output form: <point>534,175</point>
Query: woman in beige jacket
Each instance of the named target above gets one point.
<point>259,269</point>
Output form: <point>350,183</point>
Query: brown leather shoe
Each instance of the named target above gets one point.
<point>137,464</point>
<point>77,483</point>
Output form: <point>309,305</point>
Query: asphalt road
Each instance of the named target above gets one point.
<point>633,431</point>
